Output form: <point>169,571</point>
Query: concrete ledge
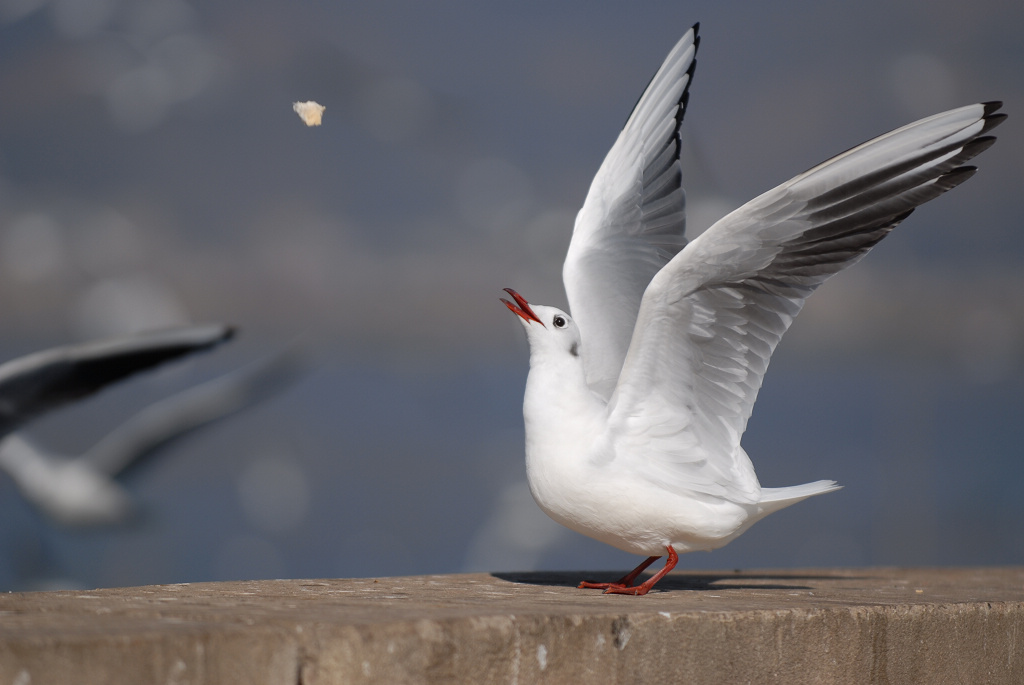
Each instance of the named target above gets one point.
<point>797,626</point>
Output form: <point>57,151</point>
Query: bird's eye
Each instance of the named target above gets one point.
<point>559,322</point>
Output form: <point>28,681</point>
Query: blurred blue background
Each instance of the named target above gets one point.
<point>152,172</point>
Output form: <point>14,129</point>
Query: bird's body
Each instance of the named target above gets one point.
<point>635,405</point>
<point>581,470</point>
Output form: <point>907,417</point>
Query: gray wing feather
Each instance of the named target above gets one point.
<point>632,222</point>
<point>712,317</point>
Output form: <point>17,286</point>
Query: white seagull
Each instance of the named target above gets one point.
<point>635,404</point>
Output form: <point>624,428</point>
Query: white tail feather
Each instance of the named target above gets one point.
<point>773,499</point>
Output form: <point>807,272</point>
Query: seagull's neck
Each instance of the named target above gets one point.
<point>558,404</point>
<point>565,428</point>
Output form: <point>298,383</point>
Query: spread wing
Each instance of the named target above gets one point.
<point>36,383</point>
<point>712,317</point>
<point>632,222</point>
<point>171,419</point>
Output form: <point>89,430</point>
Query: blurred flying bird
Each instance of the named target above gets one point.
<point>635,404</point>
<point>81,490</point>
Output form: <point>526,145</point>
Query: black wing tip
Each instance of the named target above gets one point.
<point>684,98</point>
<point>955,177</point>
<point>696,29</point>
<point>977,146</point>
<point>991,121</point>
<point>900,217</point>
<point>992,106</point>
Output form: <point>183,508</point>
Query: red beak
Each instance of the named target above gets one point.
<point>521,308</point>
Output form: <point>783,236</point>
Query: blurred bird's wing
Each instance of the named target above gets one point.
<point>632,222</point>
<point>36,383</point>
<point>175,417</point>
<point>712,317</point>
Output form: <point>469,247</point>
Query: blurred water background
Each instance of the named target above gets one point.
<point>152,172</point>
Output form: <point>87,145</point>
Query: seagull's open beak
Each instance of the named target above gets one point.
<point>522,307</point>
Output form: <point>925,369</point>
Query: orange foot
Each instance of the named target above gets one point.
<point>625,584</point>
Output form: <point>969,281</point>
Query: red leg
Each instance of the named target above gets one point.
<point>625,581</point>
<point>645,587</point>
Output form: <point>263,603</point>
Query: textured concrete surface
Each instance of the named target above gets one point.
<point>795,626</point>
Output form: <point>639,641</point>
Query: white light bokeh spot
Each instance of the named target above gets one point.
<point>395,109</point>
<point>81,18</point>
<point>33,248</point>
<point>495,195</point>
<point>922,83</point>
<point>274,494</point>
<point>119,306</point>
<point>108,243</point>
<point>515,535</point>
<point>153,19</point>
<point>189,63</point>
<point>138,99</point>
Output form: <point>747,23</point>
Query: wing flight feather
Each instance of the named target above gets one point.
<point>633,220</point>
<point>711,318</point>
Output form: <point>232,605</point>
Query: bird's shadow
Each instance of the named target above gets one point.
<point>735,580</point>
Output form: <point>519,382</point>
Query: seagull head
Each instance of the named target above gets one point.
<point>547,328</point>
